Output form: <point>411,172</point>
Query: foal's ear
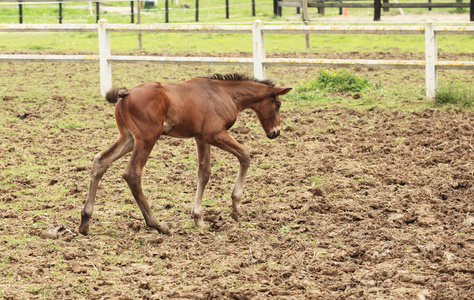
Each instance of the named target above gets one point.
<point>282,91</point>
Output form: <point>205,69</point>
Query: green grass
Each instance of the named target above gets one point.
<point>211,11</point>
<point>175,43</point>
<point>336,81</point>
<point>78,12</point>
<point>457,94</point>
<point>362,90</point>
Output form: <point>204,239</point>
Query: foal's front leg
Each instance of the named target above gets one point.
<point>204,172</point>
<point>227,143</point>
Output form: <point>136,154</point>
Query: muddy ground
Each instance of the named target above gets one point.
<point>344,204</point>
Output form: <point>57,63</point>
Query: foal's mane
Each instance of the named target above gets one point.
<point>240,77</point>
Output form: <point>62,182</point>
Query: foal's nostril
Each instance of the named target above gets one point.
<point>273,134</point>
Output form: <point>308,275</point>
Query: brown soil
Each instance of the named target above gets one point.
<point>345,204</point>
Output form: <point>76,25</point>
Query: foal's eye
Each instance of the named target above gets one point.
<point>278,104</point>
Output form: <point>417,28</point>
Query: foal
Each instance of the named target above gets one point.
<point>201,108</point>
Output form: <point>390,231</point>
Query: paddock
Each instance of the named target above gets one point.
<point>345,203</point>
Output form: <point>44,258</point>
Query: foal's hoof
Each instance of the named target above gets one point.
<point>84,230</point>
<point>235,214</point>
<point>163,229</point>
<point>199,224</point>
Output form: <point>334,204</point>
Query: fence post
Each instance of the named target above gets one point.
<point>60,12</point>
<point>258,50</point>
<point>305,21</point>
<point>377,7</point>
<point>431,57</point>
<point>384,2</point>
<point>97,8</point>
<point>471,11</point>
<point>197,11</point>
<point>20,11</point>
<point>104,54</point>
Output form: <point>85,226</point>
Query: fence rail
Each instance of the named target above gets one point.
<point>259,62</point>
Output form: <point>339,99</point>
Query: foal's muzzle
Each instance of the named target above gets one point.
<point>273,134</point>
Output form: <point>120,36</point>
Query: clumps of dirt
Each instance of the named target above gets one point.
<point>23,116</point>
<point>59,98</point>
<point>59,232</point>
<point>9,214</point>
<point>344,204</point>
<point>9,98</point>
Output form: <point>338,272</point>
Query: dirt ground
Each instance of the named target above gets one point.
<point>374,204</point>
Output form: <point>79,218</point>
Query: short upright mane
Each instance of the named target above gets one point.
<point>240,77</point>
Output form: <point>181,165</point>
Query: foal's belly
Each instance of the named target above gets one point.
<point>166,127</point>
<point>177,131</point>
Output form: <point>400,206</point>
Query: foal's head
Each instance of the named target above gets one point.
<point>268,111</point>
<point>262,96</point>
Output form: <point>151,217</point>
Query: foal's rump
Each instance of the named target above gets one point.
<point>140,110</point>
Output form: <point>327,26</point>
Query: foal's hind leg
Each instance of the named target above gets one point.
<point>102,161</point>
<point>133,176</point>
<point>204,171</point>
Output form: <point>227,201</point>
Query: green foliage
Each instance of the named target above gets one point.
<point>340,81</point>
<point>457,94</point>
<point>459,10</point>
<point>332,81</point>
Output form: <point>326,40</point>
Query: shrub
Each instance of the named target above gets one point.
<point>341,81</point>
<point>332,81</point>
<point>454,94</point>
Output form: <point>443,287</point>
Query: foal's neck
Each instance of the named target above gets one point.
<point>246,93</point>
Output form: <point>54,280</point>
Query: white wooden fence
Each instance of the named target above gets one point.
<point>259,62</point>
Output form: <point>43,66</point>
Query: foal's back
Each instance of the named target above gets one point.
<point>185,109</point>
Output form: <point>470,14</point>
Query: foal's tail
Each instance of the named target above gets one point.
<point>115,94</point>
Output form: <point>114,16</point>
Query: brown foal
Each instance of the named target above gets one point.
<point>201,108</point>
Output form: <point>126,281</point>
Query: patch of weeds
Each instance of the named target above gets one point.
<point>318,181</point>
<point>332,81</point>
<point>208,202</point>
<point>458,10</point>
<point>247,225</point>
<point>111,232</point>
<point>415,269</point>
<point>341,81</point>
<point>456,94</point>
<point>285,228</point>
<point>36,47</point>
<point>256,286</point>
<point>5,262</point>
<point>189,225</point>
